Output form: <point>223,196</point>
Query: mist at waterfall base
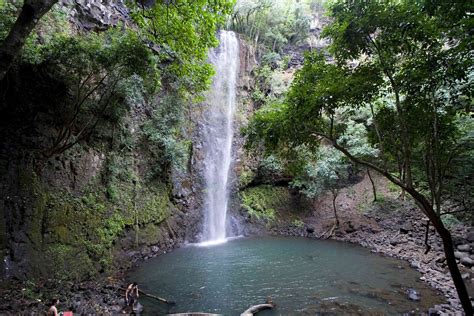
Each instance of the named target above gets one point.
<point>217,137</point>
<point>303,276</point>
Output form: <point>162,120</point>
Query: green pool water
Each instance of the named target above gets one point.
<point>302,276</point>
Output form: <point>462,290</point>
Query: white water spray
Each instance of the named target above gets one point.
<point>218,134</point>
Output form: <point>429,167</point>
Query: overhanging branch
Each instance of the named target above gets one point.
<point>424,204</point>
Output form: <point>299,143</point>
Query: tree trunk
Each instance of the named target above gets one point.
<point>30,14</point>
<point>448,250</point>
<point>373,184</point>
<point>334,196</point>
<point>379,137</point>
<point>255,309</point>
<point>427,232</point>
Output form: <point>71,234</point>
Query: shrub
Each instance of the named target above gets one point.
<point>264,202</point>
<point>164,136</point>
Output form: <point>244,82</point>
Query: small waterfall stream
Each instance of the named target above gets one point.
<point>217,136</point>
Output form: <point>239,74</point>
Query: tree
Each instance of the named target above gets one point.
<point>356,141</point>
<point>183,31</point>
<point>328,171</point>
<point>271,23</point>
<point>95,69</point>
<point>180,31</point>
<point>406,53</point>
<point>30,14</point>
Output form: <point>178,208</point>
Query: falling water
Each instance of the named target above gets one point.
<point>218,133</point>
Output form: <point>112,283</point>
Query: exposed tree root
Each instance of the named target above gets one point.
<point>330,231</point>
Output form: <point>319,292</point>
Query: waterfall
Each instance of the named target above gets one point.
<point>217,136</point>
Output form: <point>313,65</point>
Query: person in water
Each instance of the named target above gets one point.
<point>53,310</point>
<point>131,294</point>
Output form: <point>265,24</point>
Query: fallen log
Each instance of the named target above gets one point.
<point>157,298</point>
<point>257,308</point>
<point>153,297</point>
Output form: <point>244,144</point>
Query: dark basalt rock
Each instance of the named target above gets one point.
<point>433,312</point>
<point>413,295</point>
<point>470,236</point>
<point>465,247</point>
<point>96,14</point>
<point>405,229</point>
<point>467,261</point>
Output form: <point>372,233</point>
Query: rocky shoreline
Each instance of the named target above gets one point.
<point>102,296</point>
<point>406,246</point>
<point>403,238</point>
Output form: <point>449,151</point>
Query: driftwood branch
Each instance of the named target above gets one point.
<point>257,308</point>
<point>153,296</point>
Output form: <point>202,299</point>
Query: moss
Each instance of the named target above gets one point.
<point>246,177</point>
<point>62,233</point>
<point>149,235</point>
<point>157,206</point>
<point>298,223</point>
<point>66,263</point>
<point>35,208</point>
<point>265,202</point>
<point>393,188</point>
<point>74,236</point>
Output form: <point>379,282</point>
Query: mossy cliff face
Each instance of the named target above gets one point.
<point>95,173</point>
<point>72,229</point>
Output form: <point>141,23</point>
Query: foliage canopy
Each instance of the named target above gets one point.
<point>182,31</point>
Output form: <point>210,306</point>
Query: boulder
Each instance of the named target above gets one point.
<point>458,240</point>
<point>460,254</point>
<point>394,242</point>
<point>470,236</point>
<point>413,295</point>
<point>465,247</point>
<point>468,262</point>
<point>440,258</point>
<point>404,229</point>
<point>349,229</point>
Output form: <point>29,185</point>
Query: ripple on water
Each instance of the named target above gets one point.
<point>303,276</point>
